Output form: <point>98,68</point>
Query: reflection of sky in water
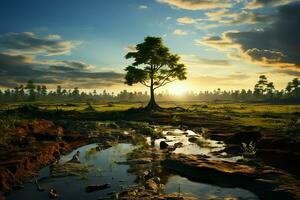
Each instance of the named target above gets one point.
<point>205,191</point>
<point>103,169</point>
<point>176,135</point>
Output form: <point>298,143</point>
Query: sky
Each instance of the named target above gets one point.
<point>82,43</point>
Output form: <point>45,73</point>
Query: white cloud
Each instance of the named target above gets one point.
<point>187,20</point>
<point>179,32</point>
<point>168,18</point>
<point>198,4</point>
<point>143,7</point>
<point>254,4</point>
<point>28,43</point>
<point>53,37</point>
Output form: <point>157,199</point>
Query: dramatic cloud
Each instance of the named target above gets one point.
<point>19,63</point>
<point>245,17</point>
<point>179,32</point>
<point>254,4</point>
<point>275,45</point>
<point>198,4</point>
<point>221,43</point>
<point>225,17</point>
<point>15,70</point>
<point>30,44</point>
<point>287,71</point>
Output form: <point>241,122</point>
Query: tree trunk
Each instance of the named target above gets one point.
<point>152,105</point>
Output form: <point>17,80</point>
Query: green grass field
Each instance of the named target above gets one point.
<point>261,115</point>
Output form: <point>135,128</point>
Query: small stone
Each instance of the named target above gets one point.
<point>163,145</point>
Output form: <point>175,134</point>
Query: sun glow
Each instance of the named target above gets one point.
<point>178,89</point>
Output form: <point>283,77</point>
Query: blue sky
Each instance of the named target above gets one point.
<point>97,33</point>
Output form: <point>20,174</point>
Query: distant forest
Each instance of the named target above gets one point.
<point>264,91</point>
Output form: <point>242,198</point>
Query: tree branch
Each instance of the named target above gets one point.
<point>164,84</point>
<point>144,83</point>
<point>164,80</point>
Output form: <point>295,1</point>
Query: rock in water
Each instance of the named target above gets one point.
<point>151,185</point>
<point>163,145</point>
<point>93,188</point>
<point>53,193</point>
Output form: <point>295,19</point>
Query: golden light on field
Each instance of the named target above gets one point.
<point>178,88</point>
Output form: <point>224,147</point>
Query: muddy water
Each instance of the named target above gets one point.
<point>102,169</point>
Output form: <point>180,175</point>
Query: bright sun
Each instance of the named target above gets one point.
<point>178,89</point>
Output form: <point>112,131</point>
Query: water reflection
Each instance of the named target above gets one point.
<point>184,186</point>
<point>194,143</point>
<point>102,169</point>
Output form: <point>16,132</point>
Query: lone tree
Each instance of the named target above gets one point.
<point>154,67</point>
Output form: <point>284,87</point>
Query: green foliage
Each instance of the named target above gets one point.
<point>90,107</point>
<point>116,196</point>
<point>161,188</point>
<point>158,65</point>
<point>264,91</point>
<point>249,150</point>
<point>9,122</point>
<point>293,87</point>
<point>146,129</point>
<point>31,90</point>
<point>135,75</point>
<point>291,130</point>
<point>263,86</point>
<point>154,66</point>
<point>28,108</point>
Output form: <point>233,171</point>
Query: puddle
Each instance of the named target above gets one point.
<point>103,170</point>
<point>184,186</point>
<point>204,147</point>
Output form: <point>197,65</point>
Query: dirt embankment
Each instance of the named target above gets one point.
<point>31,146</point>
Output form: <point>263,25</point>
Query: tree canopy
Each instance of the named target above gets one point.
<point>154,66</point>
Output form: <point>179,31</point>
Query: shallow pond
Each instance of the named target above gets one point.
<point>184,186</point>
<point>204,146</point>
<point>102,168</point>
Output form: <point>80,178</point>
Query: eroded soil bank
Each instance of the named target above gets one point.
<point>31,146</point>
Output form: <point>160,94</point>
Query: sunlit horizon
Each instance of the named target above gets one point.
<point>84,45</point>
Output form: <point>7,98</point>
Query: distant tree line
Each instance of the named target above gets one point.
<point>264,91</point>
